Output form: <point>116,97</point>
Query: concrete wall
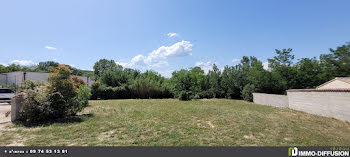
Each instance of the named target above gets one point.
<point>37,76</point>
<point>3,79</point>
<point>329,104</point>
<point>270,99</point>
<point>16,78</point>
<point>337,84</point>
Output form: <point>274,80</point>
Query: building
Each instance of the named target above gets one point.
<point>18,77</point>
<point>337,83</point>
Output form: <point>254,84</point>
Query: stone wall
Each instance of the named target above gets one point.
<point>335,104</point>
<point>270,99</point>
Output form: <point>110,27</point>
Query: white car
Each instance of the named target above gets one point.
<point>6,95</point>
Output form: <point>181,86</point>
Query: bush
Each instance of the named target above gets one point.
<point>77,81</point>
<point>184,96</point>
<point>100,91</point>
<point>29,85</point>
<point>81,100</point>
<point>36,108</point>
<point>57,99</point>
<point>95,93</point>
<point>247,92</point>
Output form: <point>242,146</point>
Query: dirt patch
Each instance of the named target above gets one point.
<point>249,137</point>
<point>5,117</point>
<point>105,135</point>
<point>15,143</point>
<point>210,124</point>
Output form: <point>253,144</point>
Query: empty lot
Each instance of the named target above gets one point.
<point>170,122</point>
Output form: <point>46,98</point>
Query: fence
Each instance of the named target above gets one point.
<point>328,103</point>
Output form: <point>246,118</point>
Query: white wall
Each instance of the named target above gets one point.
<point>18,77</point>
<point>270,99</point>
<point>15,78</point>
<point>329,104</point>
<point>37,76</point>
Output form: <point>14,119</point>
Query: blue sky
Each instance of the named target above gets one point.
<point>166,35</point>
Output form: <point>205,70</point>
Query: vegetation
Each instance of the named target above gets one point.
<point>60,98</point>
<point>233,82</point>
<point>170,122</point>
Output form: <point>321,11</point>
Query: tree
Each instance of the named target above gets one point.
<point>61,91</point>
<point>45,66</point>
<point>282,68</point>
<point>214,82</point>
<point>337,63</point>
<point>309,73</point>
<point>105,65</point>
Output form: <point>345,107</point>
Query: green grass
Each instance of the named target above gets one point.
<point>170,122</point>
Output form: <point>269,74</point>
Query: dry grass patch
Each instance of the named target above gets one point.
<point>169,122</point>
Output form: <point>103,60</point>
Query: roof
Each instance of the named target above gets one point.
<point>343,79</point>
<point>319,90</point>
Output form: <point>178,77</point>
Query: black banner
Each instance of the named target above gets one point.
<point>172,151</point>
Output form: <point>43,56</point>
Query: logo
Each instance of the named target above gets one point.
<point>339,151</point>
<point>292,151</point>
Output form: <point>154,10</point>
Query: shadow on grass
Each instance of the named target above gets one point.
<point>67,120</point>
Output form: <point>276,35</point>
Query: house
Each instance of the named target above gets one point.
<point>337,83</point>
<point>16,78</point>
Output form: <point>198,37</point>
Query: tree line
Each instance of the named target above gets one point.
<point>233,82</point>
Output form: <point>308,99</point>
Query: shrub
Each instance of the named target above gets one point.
<point>61,91</point>
<point>247,92</point>
<point>101,91</point>
<point>57,99</point>
<point>77,81</point>
<point>29,85</point>
<point>184,96</point>
<point>197,96</point>
<point>37,107</point>
<point>81,100</point>
<point>95,93</point>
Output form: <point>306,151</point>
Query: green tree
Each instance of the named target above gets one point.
<point>104,65</point>
<point>282,68</point>
<point>214,82</point>
<point>337,63</point>
<point>45,66</point>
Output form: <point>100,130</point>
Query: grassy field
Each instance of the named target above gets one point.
<point>170,122</point>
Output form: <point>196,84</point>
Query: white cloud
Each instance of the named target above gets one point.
<point>3,64</point>
<point>72,65</point>
<point>179,49</point>
<point>158,57</point>
<point>235,60</point>
<point>171,34</point>
<point>122,64</point>
<point>206,66</point>
<point>167,73</point>
<point>266,65</point>
<point>23,62</point>
<point>50,48</point>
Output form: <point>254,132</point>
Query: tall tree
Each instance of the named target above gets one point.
<point>105,65</point>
